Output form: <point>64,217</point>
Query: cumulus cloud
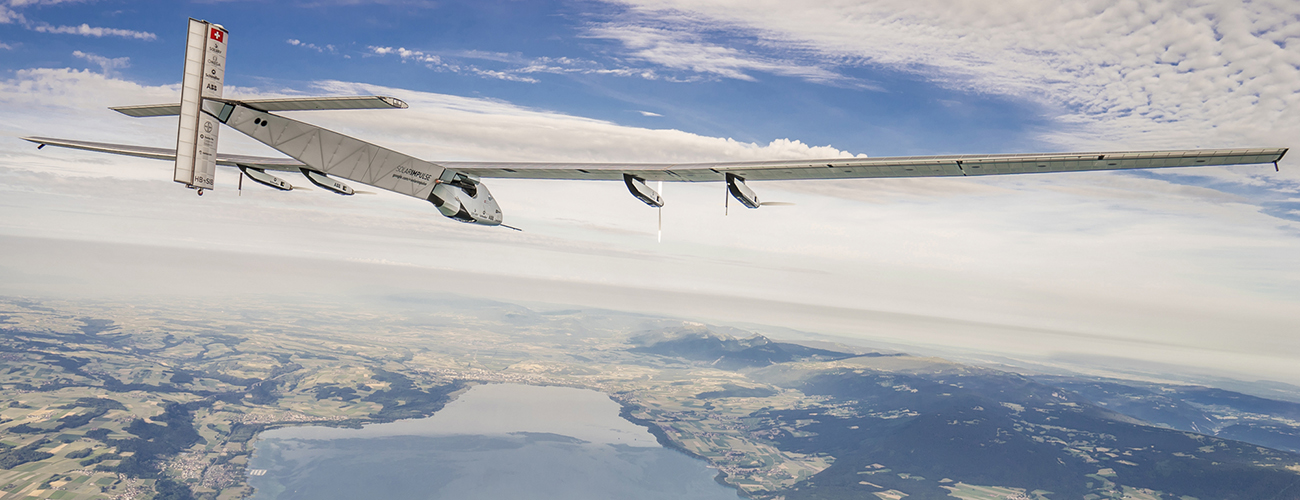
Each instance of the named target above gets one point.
<point>311,46</point>
<point>107,65</point>
<point>407,54</point>
<point>9,16</point>
<point>1137,73</point>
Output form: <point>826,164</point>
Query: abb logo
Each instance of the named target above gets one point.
<point>218,35</point>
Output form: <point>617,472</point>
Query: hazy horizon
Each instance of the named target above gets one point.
<point>122,273</point>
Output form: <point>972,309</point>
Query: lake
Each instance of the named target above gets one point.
<point>495,441</point>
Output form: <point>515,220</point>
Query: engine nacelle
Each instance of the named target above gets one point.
<point>642,192</point>
<point>462,197</point>
<point>265,179</point>
<point>325,182</point>
<point>736,186</point>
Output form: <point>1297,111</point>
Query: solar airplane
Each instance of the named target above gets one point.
<point>456,188</point>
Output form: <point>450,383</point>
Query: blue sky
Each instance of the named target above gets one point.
<point>1188,266</point>
<point>483,46</point>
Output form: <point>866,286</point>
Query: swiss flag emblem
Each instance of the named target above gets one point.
<point>218,35</point>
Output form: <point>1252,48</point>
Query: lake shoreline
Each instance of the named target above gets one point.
<point>625,447</point>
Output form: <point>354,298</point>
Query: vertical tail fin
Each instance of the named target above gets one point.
<point>196,137</point>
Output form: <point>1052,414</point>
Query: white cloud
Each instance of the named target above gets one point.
<point>5,46</point>
<point>476,129</point>
<point>649,113</point>
<point>519,66</point>
<point>9,14</point>
<point>435,62</point>
<point>25,3</point>
<point>682,48</point>
<point>299,43</point>
<point>407,54</point>
<point>502,75</point>
<point>107,65</point>
<point>98,32</point>
<point>9,8</point>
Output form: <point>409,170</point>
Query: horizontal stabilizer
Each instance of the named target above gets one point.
<point>285,104</point>
<point>148,110</point>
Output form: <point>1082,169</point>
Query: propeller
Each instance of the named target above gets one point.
<point>661,214</point>
<point>726,203</point>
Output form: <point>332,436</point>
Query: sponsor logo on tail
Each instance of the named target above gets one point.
<point>196,138</point>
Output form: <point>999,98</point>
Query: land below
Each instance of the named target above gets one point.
<point>159,399</point>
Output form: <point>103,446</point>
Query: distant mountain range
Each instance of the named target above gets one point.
<point>700,344</point>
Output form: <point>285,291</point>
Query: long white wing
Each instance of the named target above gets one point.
<point>832,168</point>
<point>228,160</point>
<point>858,168</point>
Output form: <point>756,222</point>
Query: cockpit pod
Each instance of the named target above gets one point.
<point>462,197</point>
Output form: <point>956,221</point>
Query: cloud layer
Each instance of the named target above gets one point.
<point>1192,266</point>
<point>1146,74</point>
<point>1122,257</point>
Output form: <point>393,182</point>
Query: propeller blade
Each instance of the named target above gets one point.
<point>512,227</point>
<point>661,214</point>
<point>776,204</point>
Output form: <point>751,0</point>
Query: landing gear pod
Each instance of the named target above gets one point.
<point>326,183</point>
<point>736,186</point>
<point>261,177</point>
<point>462,197</point>
<point>642,192</point>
